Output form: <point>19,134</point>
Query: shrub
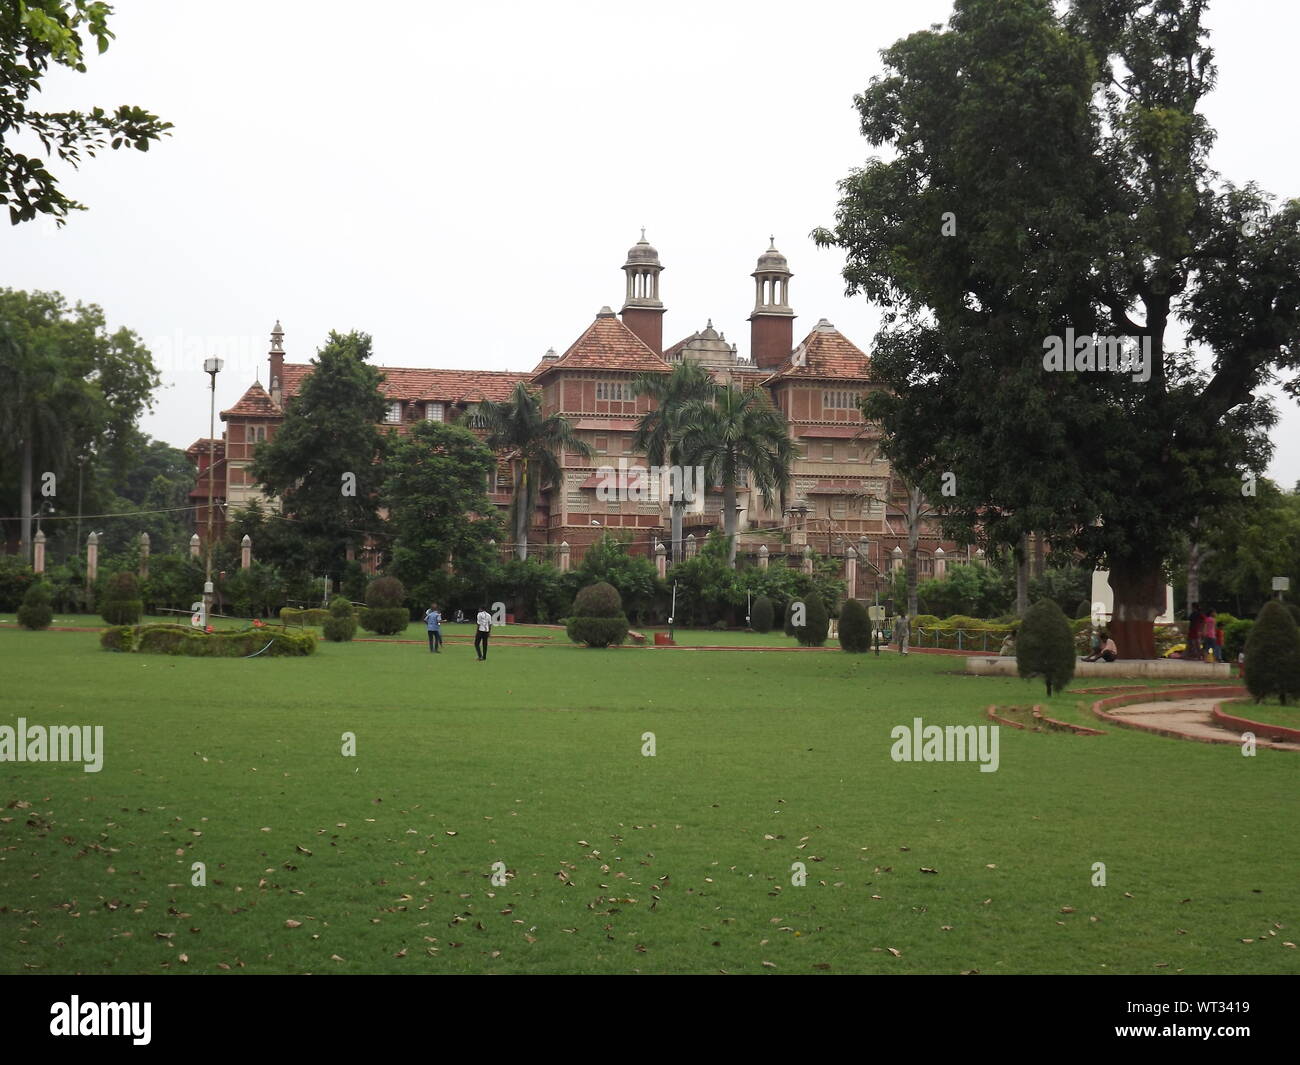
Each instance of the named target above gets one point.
<point>816,622</point>
<point>340,626</point>
<point>1045,645</point>
<point>122,602</point>
<point>597,617</point>
<point>597,632</point>
<point>1235,634</point>
<point>315,617</point>
<point>855,627</point>
<point>385,620</point>
<point>386,593</point>
<point>719,626</point>
<point>762,614</point>
<point>36,613</point>
<point>599,600</point>
<point>181,640</point>
<point>1273,654</point>
<point>15,578</point>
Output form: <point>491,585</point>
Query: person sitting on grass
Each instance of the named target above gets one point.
<point>1107,652</point>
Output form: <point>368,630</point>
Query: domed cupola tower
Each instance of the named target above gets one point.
<point>643,311</point>
<point>771,326</point>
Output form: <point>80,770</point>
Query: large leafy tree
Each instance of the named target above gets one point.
<point>659,431</point>
<point>437,507</point>
<point>70,392</point>
<point>735,434</point>
<point>325,462</point>
<point>33,35</point>
<point>1049,173</point>
<point>532,444</point>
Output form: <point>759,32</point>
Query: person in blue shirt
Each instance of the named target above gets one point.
<point>433,622</point>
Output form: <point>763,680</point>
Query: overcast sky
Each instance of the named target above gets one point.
<point>463,181</point>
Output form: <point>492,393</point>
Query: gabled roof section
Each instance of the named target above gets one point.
<point>255,403</point>
<point>416,385</point>
<point>607,344</point>
<point>824,354</point>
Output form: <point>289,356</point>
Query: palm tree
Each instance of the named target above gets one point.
<point>658,433</point>
<point>532,443</point>
<point>737,433</point>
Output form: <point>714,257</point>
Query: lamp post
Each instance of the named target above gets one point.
<point>211,367</point>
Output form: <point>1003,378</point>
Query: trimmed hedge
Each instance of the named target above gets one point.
<point>315,617</point>
<point>816,623</point>
<point>122,602</point>
<point>36,612</point>
<point>384,620</point>
<point>855,627</point>
<point>165,639</point>
<point>340,626</point>
<point>762,615</point>
<point>598,619</point>
<point>597,632</point>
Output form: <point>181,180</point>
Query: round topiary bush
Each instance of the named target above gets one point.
<point>597,617</point>
<point>122,602</point>
<point>762,614</point>
<point>36,612</point>
<point>1045,645</point>
<point>385,593</point>
<point>599,600</point>
<point>816,621</point>
<point>341,625</point>
<point>384,620</point>
<point>1273,654</point>
<point>855,627</point>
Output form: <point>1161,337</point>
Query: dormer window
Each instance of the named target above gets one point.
<point>433,412</point>
<point>393,414</point>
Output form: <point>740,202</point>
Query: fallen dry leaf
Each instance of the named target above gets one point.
<point>292,924</point>
<point>895,953</point>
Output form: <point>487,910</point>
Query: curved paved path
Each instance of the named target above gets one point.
<point>1189,718</point>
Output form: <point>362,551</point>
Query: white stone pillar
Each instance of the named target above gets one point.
<point>690,545</point>
<point>144,556</point>
<point>979,557</point>
<point>245,552</point>
<point>92,557</point>
<point>897,558</point>
<point>564,556</point>
<point>807,560</point>
<point>661,561</point>
<point>194,546</point>
<point>940,564</point>
<point>38,553</point>
<point>851,572</point>
<point>762,557</point>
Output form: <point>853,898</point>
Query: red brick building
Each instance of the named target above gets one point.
<point>841,493</point>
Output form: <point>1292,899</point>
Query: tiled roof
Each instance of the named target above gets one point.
<point>255,403</point>
<point>825,353</point>
<point>606,345</point>
<point>204,444</point>
<point>439,386</point>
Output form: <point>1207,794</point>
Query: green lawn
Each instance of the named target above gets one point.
<point>1270,711</point>
<point>616,862</point>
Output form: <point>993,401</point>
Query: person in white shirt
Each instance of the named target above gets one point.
<point>481,637</point>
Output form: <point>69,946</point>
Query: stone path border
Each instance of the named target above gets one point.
<point>1202,729</point>
<point>1037,711</point>
<point>1259,728</point>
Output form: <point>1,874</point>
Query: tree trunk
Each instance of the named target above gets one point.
<point>1022,577</point>
<point>1196,556</point>
<point>25,543</point>
<point>521,513</point>
<point>913,545</point>
<point>1138,586</point>
<point>1039,552</point>
<point>678,508</point>
<point>729,519</point>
